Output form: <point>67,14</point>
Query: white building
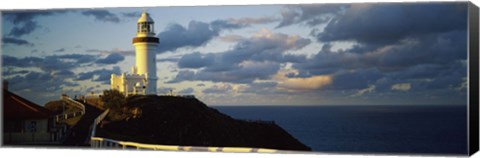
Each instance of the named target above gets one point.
<point>143,79</point>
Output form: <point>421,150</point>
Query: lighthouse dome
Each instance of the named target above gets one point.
<point>145,18</point>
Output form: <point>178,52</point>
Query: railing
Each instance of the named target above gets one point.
<point>98,142</point>
<point>65,116</point>
<point>74,103</point>
<point>97,121</point>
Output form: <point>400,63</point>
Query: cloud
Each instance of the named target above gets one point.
<point>195,60</point>
<point>388,23</point>
<point>314,82</point>
<point>102,15</point>
<point>259,57</point>
<point>174,60</point>
<point>49,63</point>
<point>311,14</point>
<point>9,72</point>
<point>24,29</point>
<point>111,59</point>
<point>59,50</point>
<point>186,91</point>
<point>232,38</point>
<point>251,21</point>
<point>113,51</point>
<point>260,88</point>
<point>37,86</point>
<point>369,89</point>
<point>419,53</point>
<point>401,86</point>
<point>194,35</point>
<point>246,73</point>
<point>301,84</point>
<point>198,33</point>
<point>16,41</point>
<point>101,75</point>
<point>132,14</point>
<point>218,89</point>
<point>25,21</point>
<point>219,25</point>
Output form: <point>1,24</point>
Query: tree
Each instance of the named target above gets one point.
<point>113,99</point>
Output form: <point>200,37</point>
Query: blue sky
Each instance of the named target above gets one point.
<point>330,54</point>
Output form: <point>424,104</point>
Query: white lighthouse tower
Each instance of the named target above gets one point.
<point>145,50</point>
<point>144,77</point>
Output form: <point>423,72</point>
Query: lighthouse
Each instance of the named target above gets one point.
<point>143,79</point>
<point>146,45</point>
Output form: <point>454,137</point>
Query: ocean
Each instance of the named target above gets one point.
<point>367,129</point>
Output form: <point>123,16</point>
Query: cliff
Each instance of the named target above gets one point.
<point>187,121</point>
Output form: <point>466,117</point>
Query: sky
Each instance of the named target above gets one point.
<point>315,54</point>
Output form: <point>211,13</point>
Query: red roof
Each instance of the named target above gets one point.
<point>18,108</point>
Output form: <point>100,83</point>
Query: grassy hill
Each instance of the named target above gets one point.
<point>187,121</point>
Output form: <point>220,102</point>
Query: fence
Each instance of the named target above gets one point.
<point>97,121</point>
<point>98,142</point>
<point>65,116</point>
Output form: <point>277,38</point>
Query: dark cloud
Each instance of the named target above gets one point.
<point>219,25</point>
<point>387,23</point>
<point>311,14</point>
<point>49,63</point>
<point>101,75</point>
<point>10,72</point>
<point>25,22</point>
<point>397,48</point>
<point>39,87</point>
<point>194,35</point>
<point>24,29</point>
<point>132,14</point>
<point>355,80</point>
<point>111,59</point>
<point>174,60</point>
<point>64,73</point>
<point>440,48</point>
<point>195,60</point>
<point>102,15</point>
<point>246,73</point>
<point>261,88</point>
<point>198,33</point>
<point>256,58</point>
<point>16,41</point>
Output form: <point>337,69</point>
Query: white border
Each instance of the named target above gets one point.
<point>72,153</point>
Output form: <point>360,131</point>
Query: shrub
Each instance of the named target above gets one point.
<point>113,99</point>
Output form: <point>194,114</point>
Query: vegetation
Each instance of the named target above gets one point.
<point>117,103</point>
<point>113,99</point>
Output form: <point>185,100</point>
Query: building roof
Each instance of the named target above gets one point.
<point>18,108</point>
<point>145,18</point>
